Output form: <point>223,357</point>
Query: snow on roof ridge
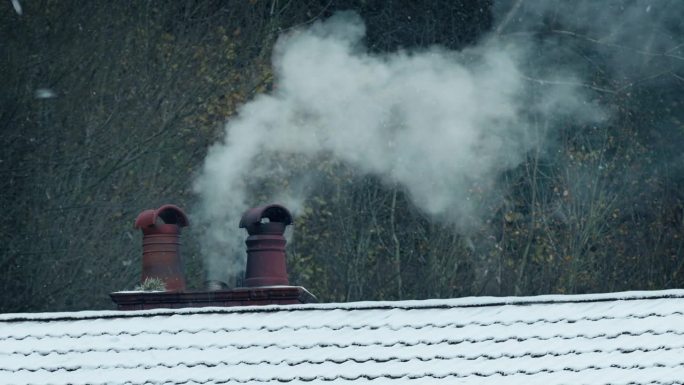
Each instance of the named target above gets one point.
<point>365,305</point>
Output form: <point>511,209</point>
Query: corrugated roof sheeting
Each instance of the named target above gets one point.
<point>625,338</point>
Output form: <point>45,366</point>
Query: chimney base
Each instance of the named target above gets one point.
<point>241,296</point>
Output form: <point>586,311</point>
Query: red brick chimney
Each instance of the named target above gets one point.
<point>265,278</point>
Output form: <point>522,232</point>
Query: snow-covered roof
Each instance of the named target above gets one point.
<point>620,338</point>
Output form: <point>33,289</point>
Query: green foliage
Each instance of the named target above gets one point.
<point>151,284</point>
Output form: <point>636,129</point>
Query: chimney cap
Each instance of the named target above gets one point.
<point>170,214</point>
<point>277,215</point>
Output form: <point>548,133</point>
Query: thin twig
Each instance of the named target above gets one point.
<point>636,50</point>
<point>508,17</point>
<point>650,77</point>
<point>674,48</point>
<point>568,83</point>
<point>311,20</point>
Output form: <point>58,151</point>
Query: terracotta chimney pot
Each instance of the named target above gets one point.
<point>266,245</point>
<point>161,245</point>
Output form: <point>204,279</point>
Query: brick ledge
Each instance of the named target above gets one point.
<point>241,296</point>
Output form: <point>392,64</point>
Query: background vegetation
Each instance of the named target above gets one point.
<point>142,89</point>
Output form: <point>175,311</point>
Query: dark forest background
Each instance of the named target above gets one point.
<point>108,108</point>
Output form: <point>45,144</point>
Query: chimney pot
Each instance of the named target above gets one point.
<point>161,245</point>
<point>266,275</point>
<point>266,245</point>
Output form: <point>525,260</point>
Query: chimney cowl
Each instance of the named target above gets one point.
<point>278,218</point>
<point>266,245</point>
<point>169,214</point>
<point>161,245</point>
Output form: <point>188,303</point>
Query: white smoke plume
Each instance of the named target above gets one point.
<point>438,123</point>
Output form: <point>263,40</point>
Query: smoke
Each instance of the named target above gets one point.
<point>624,39</point>
<point>630,53</point>
<point>443,125</point>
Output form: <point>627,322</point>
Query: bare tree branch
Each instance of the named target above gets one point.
<point>635,50</point>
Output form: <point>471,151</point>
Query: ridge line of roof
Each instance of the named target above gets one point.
<point>465,302</point>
